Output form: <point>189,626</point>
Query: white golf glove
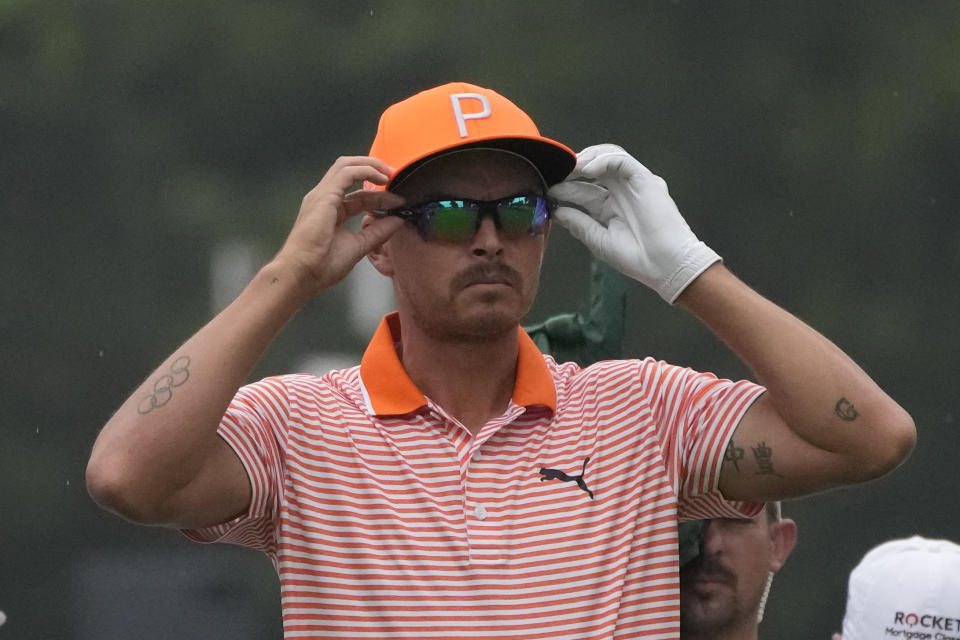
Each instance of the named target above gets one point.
<point>623,213</point>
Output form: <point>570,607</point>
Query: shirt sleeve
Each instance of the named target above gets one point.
<point>254,426</point>
<point>696,414</point>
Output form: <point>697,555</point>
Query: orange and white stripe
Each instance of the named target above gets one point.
<point>386,518</point>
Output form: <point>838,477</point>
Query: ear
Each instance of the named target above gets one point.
<point>380,259</point>
<point>783,535</point>
<point>379,256</point>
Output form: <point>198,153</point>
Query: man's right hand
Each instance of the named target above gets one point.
<point>320,250</point>
<point>164,462</point>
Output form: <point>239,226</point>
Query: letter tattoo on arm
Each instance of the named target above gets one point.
<point>733,454</point>
<point>845,410</point>
<point>764,457</point>
<point>164,385</point>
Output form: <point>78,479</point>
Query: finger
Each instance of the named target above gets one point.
<point>376,231</point>
<point>344,178</point>
<point>370,161</point>
<point>361,201</point>
<point>347,171</point>
<point>587,197</point>
<point>617,163</point>
<point>583,195</point>
<point>604,164</point>
<point>591,153</point>
<point>580,225</point>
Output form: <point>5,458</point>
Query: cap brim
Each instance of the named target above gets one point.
<point>554,160</point>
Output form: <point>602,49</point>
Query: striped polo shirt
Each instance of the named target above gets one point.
<point>386,518</point>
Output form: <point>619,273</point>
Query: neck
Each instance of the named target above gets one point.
<point>473,381</point>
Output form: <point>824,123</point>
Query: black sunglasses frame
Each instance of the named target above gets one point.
<point>421,215</point>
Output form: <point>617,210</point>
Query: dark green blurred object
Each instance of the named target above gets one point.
<point>596,333</point>
<point>690,534</point>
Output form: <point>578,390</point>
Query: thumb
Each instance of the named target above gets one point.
<point>580,225</point>
<point>585,196</point>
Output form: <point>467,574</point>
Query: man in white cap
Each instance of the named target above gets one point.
<point>907,588</point>
<point>459,483</point>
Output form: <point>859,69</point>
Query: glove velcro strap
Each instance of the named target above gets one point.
<point>695,261</point>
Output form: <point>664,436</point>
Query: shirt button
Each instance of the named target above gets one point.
<point>480,511</point>
<point>476,454</point>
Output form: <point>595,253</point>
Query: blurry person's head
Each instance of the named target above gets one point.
<point>905,588</point>
<point>724,588</point>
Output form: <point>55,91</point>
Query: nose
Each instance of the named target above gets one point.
<point>487,241</point>
<point>712,543</point>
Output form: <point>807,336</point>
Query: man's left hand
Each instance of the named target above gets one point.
<point>624,214</point>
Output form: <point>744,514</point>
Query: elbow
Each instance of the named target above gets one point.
<point>107,487</point>
<point>118,492</point>
<point>904,440</point>
<point>899,436</point>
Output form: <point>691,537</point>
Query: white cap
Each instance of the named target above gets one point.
<point>906,588</point>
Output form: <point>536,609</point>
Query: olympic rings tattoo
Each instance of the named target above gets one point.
<point>164,386</point>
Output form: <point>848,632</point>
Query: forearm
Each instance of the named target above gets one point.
<point>823,421</point>
<point>166,430</point>
<point>821,394</point>
<point>159,459</point>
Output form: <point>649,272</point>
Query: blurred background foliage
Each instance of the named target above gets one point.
<point>815,145</point>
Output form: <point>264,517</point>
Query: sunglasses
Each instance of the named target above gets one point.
<point>456,220</point>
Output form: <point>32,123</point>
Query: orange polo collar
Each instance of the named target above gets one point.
<point>391,391</point>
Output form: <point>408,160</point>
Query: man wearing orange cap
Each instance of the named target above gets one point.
<point>458,482</point>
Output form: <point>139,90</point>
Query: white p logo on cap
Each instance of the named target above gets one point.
<point>463,117</point>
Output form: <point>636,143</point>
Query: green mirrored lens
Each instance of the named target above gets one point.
<point>516,217</point>
<point>457,220</point>
<point>523,216</point>
<point>452,220</point>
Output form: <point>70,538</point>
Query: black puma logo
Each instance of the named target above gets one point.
<point>555,474</point>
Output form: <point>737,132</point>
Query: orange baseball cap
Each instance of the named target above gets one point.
<point>459,116</point>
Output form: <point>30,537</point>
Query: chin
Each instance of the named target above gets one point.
<point>455,321</point>
<point>704,619</point>
<point>490,324</point>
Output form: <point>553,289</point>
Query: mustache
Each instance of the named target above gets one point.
<point>706,567</point>
<point>487,272</point>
